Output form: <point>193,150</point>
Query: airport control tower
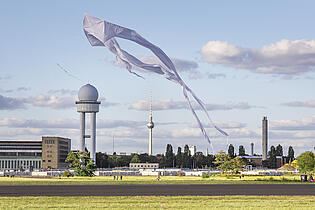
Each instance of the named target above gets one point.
<point>150,126</point>
<point>88,103</point>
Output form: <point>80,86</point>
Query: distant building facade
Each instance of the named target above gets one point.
<point>143,165</point>
<point>20,154</point>
<point>55,152</point>
<point>51,152</point>
<point>192,150</point>
<point>256,160</point>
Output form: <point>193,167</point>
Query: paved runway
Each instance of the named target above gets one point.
<point>158,190</point>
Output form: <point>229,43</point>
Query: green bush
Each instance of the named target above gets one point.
<point>205,176</point>
<point>67,173</point>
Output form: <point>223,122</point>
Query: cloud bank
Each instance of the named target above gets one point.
<point>284,57</point>
<point>307,104</point>
<point>173,105</point>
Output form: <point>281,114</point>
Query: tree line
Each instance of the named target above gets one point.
<point>182,159</point>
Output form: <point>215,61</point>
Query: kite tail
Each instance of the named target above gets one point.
<point>202,105</point>
<point>68,73</point>
<point>128,66</point>
<point>196,116</point>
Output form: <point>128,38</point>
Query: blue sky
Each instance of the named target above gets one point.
<point>245,59</point>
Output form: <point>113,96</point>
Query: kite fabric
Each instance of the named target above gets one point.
<point>102,33</point>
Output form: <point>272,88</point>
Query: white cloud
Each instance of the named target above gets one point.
<point>63,92</point>
<point>305,123</point>
<point>215,75</point>
<point>52,101</point>
<point>284,57</point>
<point>16,90</point>
<point>5,77</point>
<point>9,103</point>
<point>66,123</point>
<point>308,104</point>
<point>172,105</point>
<point>224,125</point>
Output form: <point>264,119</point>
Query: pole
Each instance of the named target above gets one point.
<point>82,131</point>
<point>93,136</point>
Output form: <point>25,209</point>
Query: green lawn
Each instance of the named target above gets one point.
<point>152,180</point>
<point>160,202</point>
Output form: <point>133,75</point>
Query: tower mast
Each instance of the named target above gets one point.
<point>150,125</point>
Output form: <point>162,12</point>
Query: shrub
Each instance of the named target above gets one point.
<point>67,173</point>
<point>205,175</point>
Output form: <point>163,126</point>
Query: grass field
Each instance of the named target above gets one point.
<point>160,202</point>
<point>152,180</point>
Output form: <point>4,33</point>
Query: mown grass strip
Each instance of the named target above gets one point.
<point>160,202</point>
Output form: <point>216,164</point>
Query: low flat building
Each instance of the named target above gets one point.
<point>256,160</point>
<point>143,165</point>
<point>20,155</point>
<point>50,153</point>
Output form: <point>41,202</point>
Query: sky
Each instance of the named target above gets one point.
<point>244,59</point>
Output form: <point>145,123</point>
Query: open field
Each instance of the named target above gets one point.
<point>101,180</point>
<point>160,202</point>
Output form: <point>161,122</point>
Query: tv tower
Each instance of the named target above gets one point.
<point>150,126</point>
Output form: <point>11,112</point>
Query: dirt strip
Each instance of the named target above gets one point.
<point>158,190</point>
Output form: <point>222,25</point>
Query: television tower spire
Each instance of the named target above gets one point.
<point>150,125</point>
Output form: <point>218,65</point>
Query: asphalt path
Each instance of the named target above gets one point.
<point>157,190</point>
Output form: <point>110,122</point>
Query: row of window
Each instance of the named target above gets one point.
<point>18,164</point>
<point>14,154</point>
<point>63,143</point>
<point>144,166</point>
<point>47,161</point>
<point>49,141</point>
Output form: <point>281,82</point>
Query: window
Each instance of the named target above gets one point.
<point>44,161</point>
<point>49,161</point>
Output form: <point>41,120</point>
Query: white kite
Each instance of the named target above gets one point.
<point>102,33</point>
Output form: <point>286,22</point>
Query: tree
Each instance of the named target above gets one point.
<point>306,162</point>
<point>179,158</point>
<point>101,160</point>
<point>279,150</point>
<point>82,163</point>
<point>241,150</point>
<point>169,156</point>
<point>186,157</point>
<point>135,159</point>
<point>231,151</point>
<point>223,161</point>
<point>200,160</point>
<point>291,153</point>
<point>237,164</point>
<point>272,160</point>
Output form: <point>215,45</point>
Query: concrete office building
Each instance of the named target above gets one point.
<point>51,152</point>
<point>264,138</point>
<point>55,151</point>
<point>88,103</point>
<point>20,155</point>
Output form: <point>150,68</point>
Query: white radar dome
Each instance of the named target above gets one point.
<point>88,93</point>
